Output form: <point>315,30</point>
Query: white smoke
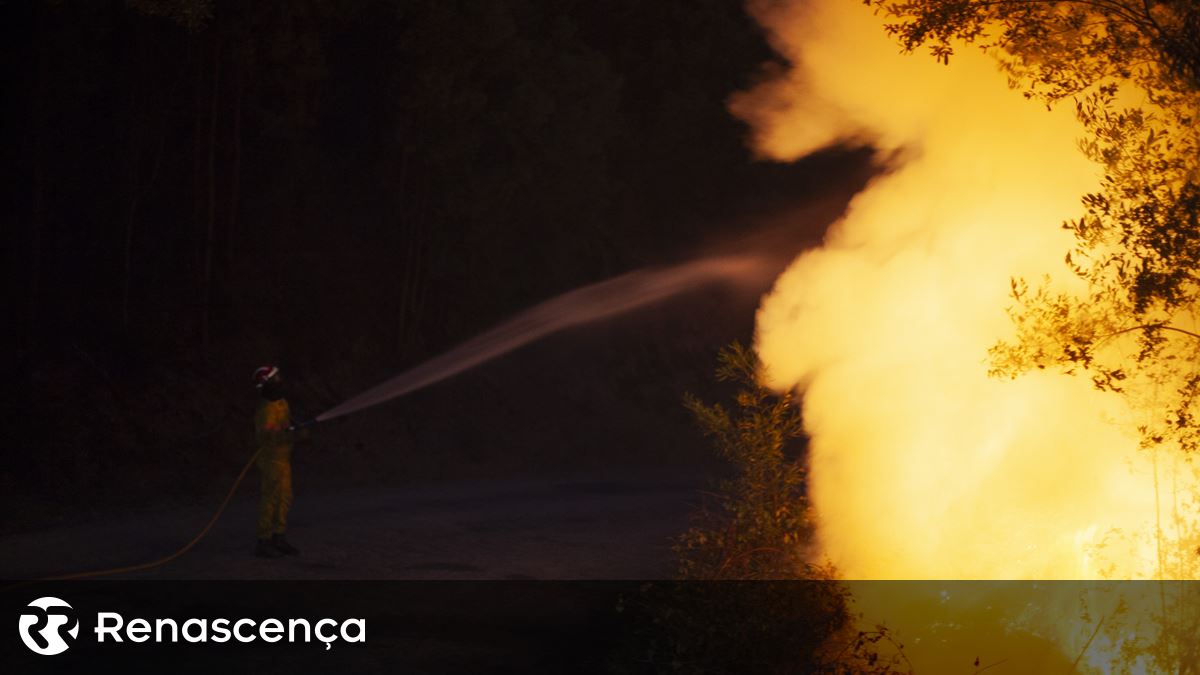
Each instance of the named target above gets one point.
<point>922,466</point>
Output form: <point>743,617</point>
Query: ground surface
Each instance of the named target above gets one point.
<point>512,529</point>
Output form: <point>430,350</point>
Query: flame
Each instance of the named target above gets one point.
<point>922,466</point>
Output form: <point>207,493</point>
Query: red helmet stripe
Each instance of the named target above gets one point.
<point>262,375</point>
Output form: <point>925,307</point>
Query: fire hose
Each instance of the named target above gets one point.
<point>587,304</point>
<point>181,550</point>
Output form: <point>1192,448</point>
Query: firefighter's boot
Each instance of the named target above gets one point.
<point>265,548</point>
<point>281,544</point>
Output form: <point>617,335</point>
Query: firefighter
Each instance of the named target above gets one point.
<point>273,434</point>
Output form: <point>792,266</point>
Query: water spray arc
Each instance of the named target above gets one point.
<point>595,302</point>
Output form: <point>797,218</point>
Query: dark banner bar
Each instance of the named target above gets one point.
<point>601,627</point>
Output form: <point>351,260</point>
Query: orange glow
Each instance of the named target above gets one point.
<point>922,467</point>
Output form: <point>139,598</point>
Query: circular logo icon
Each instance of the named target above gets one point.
<point>44,624</point>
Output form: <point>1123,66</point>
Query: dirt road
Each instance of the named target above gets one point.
<point>512,529</point>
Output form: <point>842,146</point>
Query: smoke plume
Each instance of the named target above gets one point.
<point>922,466</point>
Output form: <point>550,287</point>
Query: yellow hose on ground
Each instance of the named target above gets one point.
<point>164,560</point>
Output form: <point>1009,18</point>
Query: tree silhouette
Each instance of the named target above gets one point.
<point>760,525</point>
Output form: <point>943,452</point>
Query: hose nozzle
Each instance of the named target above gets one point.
<point>297,426</point>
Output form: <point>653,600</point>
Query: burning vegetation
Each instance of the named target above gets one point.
<point>886,328</point>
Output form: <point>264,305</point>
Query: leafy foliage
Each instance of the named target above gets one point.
<point>1138,240</point>
<point>759,523</point>
<point>778,627</point>
<point>761,607</point>
<point>1061,48</point>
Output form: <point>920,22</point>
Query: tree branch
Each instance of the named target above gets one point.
<point>1150,326</point>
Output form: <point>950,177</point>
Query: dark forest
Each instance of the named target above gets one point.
<point>346,188</point>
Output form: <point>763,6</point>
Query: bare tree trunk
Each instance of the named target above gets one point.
<point>416,264</point>
<point>38,207</point>
<point>419,285</point>
<point>127,251</point>
<point>414,225</point>
<point>135,120</point>
<point>410,269</point>
<point>131,220</point>
<point>37,224</point>
<point>197,149</point>
<point>401,204</point>
<point>206,316</point>
<point>235,169</point>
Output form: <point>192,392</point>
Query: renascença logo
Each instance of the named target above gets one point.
<point>43,625</point>
<point>47,619</point>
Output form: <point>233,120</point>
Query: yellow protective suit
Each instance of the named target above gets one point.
<point>275,465</point>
